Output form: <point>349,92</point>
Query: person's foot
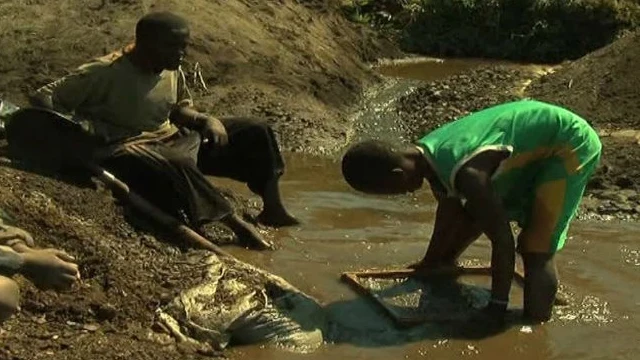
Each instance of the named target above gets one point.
<point>279,219</point>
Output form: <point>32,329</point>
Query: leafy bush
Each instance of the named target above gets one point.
<point>533,30</point>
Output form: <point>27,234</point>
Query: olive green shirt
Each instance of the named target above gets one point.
<point>116,101</point>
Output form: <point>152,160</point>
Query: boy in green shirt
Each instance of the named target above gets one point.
<point>524,161</point>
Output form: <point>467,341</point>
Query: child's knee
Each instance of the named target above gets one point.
<point>9,298</point>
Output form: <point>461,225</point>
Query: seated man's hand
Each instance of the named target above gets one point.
<point>50,269</point>
<point>213,131</point>
<point>11,234</point>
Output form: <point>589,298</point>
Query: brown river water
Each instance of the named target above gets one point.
<point>345,231</point>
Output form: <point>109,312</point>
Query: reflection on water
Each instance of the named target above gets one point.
<point>344,230</point>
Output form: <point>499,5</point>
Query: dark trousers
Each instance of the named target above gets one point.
<point>171,173</point>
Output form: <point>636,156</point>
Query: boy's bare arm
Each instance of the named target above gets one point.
<point>474,183</point>
<point>451,223</point>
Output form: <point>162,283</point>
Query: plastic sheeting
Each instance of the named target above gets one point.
<point>226,308</point>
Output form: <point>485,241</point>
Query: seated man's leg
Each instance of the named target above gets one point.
<point>169,178</point>
<point>9,298</point>
<point>253,157</point>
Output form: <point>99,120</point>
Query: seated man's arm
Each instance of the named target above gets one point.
<point>474,183</point>
<point>68,93</point>
<point>184,114</point>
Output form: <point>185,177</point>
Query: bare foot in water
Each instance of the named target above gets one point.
<point>280,219</point>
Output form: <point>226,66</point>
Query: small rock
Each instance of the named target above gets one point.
<point>161,339</point>
<point>624,207</point>
<point>624,182</point>
<point>526,329</point>
<point>613,196</point>
<point>106,312</point>
<point>91,327</point>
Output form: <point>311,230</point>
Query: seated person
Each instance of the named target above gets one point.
<point>136,105</point>
<point>46,268</point>
<point>524,161</point>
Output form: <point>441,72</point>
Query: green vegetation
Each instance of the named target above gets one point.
<point>531,30</point>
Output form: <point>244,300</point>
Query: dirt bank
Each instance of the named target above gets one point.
<point>127,274</point>
<point>602,86</point>
<point>297,63</point>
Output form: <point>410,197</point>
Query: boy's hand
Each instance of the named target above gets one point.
<point>214,131</point>
<point>50,269</point>
<point>10,234</point>
<point>423,266</point>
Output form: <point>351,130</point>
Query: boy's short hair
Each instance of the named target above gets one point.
<point>365,162</point>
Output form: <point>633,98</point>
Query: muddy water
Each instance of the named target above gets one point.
<point>344,230</point>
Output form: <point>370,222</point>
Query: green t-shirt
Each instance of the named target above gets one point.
<point>530,131</point>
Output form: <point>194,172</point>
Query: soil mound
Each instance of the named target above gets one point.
<point>602,86</point>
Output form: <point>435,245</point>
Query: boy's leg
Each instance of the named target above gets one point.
<point>540,286</point>
<point>253,157</point>
<point>9,298</point>
<point>557,196</point>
